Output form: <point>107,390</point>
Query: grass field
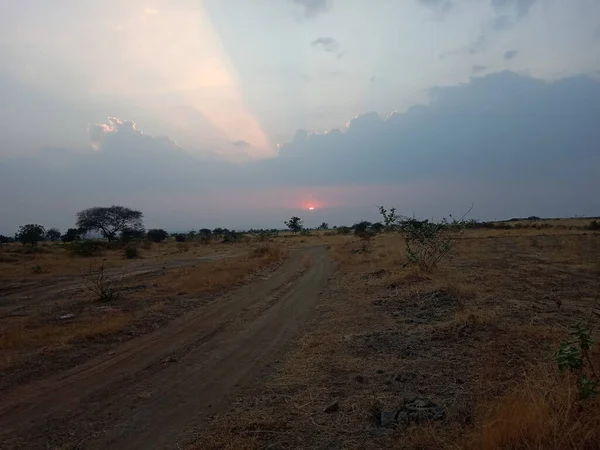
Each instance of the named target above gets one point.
<point>394,357</point>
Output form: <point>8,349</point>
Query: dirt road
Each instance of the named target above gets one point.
<point>148,392</point>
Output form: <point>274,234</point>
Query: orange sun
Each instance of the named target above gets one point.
<point>311,208</point>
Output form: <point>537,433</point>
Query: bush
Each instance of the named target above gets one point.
<point>157,235</point>
<point>343,230</point>
<point>71,235</point>
<point>427,242</point>
<point>31,234</point>
<point>86,248</point>
<point>183,247</point>
<point>594,225</point>
<point>53,234</point>
<point>105,288</point>
<point>180,237</point>
<point>131,252</point>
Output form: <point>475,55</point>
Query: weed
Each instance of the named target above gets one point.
<point>103,286</point>
<point>574,355</point>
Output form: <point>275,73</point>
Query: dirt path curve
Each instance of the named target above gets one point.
<point>148,392</point>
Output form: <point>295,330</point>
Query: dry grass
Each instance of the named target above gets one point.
<point>476,336</point>
<point>542,412</point>
<point>215,275</point>
<point>26,333</point>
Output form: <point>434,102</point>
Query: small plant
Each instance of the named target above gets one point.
<point>37,269</point>
<point>146,244</point>
<point>131,252</point>
<point>183,247</point>
<point>343,230</point>
<point>574,355</point>
<point>105,288</point>
<point>594,225</point>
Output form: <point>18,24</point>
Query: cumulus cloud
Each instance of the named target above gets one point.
<point>513,144</point>
<point>510,54</point>
<point>478,69</point>
<point>313,7</point>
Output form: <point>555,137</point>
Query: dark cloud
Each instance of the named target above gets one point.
<point>510,54</point>
<point>313,7</point>
<point>478,69</point>
<point>240,143</point>
<point>512,143</point>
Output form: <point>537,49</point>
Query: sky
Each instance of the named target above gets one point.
<point>240,114</point>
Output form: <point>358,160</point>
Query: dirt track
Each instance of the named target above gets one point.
<point>148,392</point>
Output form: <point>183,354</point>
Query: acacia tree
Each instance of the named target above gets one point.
<point>294,224</point>
<point>109,220</point>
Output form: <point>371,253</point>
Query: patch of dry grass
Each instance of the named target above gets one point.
<point>213,275</point>
<point>541,412</point>
<point>27,334</point>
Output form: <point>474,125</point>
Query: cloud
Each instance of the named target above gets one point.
<point>510,54</point>
<point>514,144</point>
<point>478,69</point>
<point>240,143</point>
<point>328,44</point>
<point>444,5</point>
<point>313,8</point>
<point>518,7</point>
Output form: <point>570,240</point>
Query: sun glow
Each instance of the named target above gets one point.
<point>311,208</point>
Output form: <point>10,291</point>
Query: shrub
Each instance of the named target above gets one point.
<point>86,248</point>
<point>205,235</point>
<point>53,234</point>
<point>105,288</point>
<point>131,252</point>
<point>156,235</point>
<point>343,230</point>
<point>179,237</point>
<point>31,234</point>
<point>183,247</point>
<point>594,225</point>
<point>71,235</point>
<point>146,244</point>
<point>427,243</point>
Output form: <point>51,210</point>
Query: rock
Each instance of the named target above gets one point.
<point>380,371</point>
<point>388,419</point>
<point>334,407</point>
<point>359,379</point>
<point>66,316</point>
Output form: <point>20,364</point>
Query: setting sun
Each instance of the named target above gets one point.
<point>311,208</point>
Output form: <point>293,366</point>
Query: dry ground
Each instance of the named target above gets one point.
<point>471,344</point>
<point>51,321</point>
